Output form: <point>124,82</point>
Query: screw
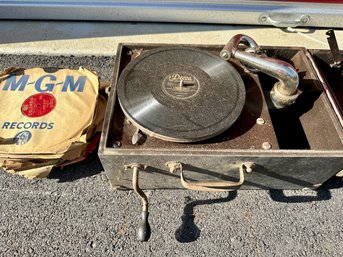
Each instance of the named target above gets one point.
<point>266,146</point>
<point>116,144</point>
<point>225,55</point>
<point>260,121</point>
<point>305,19</point>
<point>263,18</point>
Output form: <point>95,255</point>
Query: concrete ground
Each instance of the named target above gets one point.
<point>75,212</point>
<point>101,38</point>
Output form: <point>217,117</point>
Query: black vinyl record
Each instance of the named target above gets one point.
<point>181,94</point>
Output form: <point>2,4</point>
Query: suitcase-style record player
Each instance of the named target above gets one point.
<point>218,118</point>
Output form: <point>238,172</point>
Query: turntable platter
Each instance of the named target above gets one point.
<point>181,94</point>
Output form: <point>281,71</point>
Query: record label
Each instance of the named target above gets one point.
<point>38,105</point>
<point>180,85</point>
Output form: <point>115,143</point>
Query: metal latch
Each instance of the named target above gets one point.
<point>336,56</point>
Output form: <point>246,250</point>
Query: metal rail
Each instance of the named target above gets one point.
<point>273,13</point>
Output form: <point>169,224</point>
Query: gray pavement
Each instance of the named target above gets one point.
<point>75,212</point>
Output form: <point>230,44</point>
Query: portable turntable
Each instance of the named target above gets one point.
<point>214,118</point>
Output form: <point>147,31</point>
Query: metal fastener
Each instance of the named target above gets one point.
<point>173,166</point>
<point>305,19</point>
<point>266,146</point>
<point>116,144</point>
<point>263,19</point>
<point>260,121</point>
<point>248,167</point>
<point>225,54</point>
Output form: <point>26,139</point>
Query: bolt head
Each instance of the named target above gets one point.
<point>266,146</point>
<point>260,121</point>
<point>305,19</point>
<point>263,18</point>
<point>225,55</point>
<point>116,144</point>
